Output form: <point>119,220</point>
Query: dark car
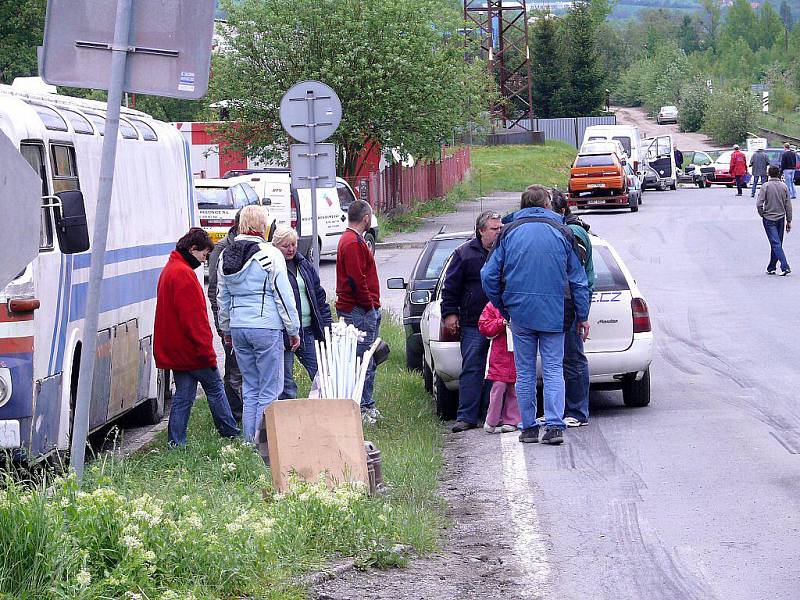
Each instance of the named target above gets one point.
<point>423,279</point>
<point>774,155</point>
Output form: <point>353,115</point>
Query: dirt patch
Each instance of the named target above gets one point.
<point>649,128</point>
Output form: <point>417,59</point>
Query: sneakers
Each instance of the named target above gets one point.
<point>786,272</point>
<point>489,429</point>
<point>770,271</point>
<point>508,428</point>
<point>370,416</point>
<point>463,426</point>
<point>529,436</point>
<point>573,422</point>
<point>553,436</point>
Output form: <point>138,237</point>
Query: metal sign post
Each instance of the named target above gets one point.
<point>310,112</point>
<point>73,55</point>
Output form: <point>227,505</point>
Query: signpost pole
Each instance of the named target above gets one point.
<point>90,325</point>
<point>312,157</point>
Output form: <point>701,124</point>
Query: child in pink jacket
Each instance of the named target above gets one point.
<point>503,414</point>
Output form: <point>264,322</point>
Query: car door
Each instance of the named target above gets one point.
<point>610,315</point>
<point>660,156</point>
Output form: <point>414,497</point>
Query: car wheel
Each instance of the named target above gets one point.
<point>413,360</point>
<point>427,377</point>
<point>369,238</point>
<point>728,185</point>
<point>673,186</point>
<point>446,402</point>
<point>637,393</point>
<point>662,185</point>
<point>633,203</point>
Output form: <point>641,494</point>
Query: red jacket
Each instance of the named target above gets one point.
<point>738,164</point>
<point>356,275</point>
<point>182,339</point>
<point>501,361</point>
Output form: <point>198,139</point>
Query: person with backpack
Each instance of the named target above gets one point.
<point>738,168</point>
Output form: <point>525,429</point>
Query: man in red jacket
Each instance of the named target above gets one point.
<point>738,168</point>
<point>183,342</point>
<point>358,294</point>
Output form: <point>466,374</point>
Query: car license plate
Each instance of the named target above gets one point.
<point>596,185</point>
<point>596,202</point>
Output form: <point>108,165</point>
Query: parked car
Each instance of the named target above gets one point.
<point>774,155</point>
<point>605,146</point>
<point>667,114</point>
<point>599,181</point>
<point>628,135</point>
<point>634,188</point>
<point>722,175</point>
<point>696,168</point>
<point>660,157</point>
<point>423,278</point>
<point>218,201</point>
<point>619,348</point>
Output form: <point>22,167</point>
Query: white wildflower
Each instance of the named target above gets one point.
<point>83,578</point>
<point>131,542</point>
<point>194,521</point>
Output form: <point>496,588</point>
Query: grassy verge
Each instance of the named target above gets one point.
<point>786,123</point>
<point>192,524</point>
<point>494,169</point>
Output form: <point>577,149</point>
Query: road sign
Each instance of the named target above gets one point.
<point>20,211</point>
<point>324,170</point>
<point>168,47</point>
<point>765,101</point>
<point>296,116</point>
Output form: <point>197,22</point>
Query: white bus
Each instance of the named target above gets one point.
<point>42,310</point>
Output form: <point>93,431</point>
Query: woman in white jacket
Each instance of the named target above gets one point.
<point>256,303</point>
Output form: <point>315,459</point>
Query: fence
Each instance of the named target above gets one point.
<point>568,129</point>
<point>398,186</point>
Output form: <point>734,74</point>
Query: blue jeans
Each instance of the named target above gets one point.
<point>368,321</point>
<point>551,348</point>
<point>259,353</point>
<point>788,179</point>
<point>774,231</point>
<point>576,376</point>
<point>474,348</point>
<point>183,399</point>
<point>307,357</point>
<point>756,179</point>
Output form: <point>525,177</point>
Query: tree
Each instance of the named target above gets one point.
<point>688,35</point>
<point>548,75</point>
<point>583,93</point>
<point>713,14</point>
<point>692,105</point>
<point>21,30</point>
<point>769,28</point>
<point>786,15</point>
<point>740,23</point>
<point>398,68</point>
<point>730,114</point>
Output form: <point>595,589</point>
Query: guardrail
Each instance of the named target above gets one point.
<point>763,132</point>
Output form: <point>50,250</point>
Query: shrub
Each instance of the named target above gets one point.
<point>730,113</point>
<point>692,105</point>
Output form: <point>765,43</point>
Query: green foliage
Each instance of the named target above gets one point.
<point>21,30</point>
<point>694,99</point>
<point>546,64</point>
<point>655,81</point>
<point>583,93</point>
<point>782,99</point>
<point>730,114</point>
<point>398,68</point>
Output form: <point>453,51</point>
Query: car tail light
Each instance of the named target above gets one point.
<point>636,165</point>
<point>641,316</point>
<point>293,213</point>
<point>446,334</point>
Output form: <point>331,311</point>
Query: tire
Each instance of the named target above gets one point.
<point>445,401</point>
<point>427,377</point>
<point>634,204</point>
<point>151,411</point>
<point>728,185</point>
<point>413,360</point>
<point>662,186</point>
<point>673,186</point>
<point>637,393</point>
<point>369,238</point>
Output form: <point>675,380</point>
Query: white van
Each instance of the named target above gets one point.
<point>293,207</point>
<point>42,309</point>
<point>627,135</point>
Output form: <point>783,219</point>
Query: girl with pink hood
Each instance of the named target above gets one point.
<point>503,414</point>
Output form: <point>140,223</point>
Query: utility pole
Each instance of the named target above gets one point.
<point>503,29</point>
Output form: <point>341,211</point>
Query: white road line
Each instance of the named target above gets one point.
<point>529,543</point>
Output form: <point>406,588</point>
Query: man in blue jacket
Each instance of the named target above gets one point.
<point>535,278</point>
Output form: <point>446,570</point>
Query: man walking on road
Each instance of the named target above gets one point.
<point>775,209</point>
<point>358,294</point>
<point>788,166</point>
<point>463,301</point>
<point>535,278</point>
<point>758,164</point>
<point>738,168</point>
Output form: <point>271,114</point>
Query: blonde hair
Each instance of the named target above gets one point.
<point>283,234</point>
<point>254,218</point>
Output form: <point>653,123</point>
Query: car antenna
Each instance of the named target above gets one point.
<point>442,229</point>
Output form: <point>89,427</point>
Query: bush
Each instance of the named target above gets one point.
<point>692,105</point>
<point>731,112</point>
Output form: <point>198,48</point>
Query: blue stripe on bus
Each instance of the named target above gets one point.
<point>82,261</point>
<point>117,292</point>
<point>62,338</point>
<point>57,314</point>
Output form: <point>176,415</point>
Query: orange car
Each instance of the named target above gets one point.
<point>597,175</point>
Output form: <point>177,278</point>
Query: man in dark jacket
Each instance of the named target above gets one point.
<point>182,339</point>
<point>233,376</point>
<point>758,165</point>
<point>463,301</point>
<point>788,166</point>
<point>678,158</point>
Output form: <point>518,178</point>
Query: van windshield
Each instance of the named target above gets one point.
<point>213,197</point>
<point>594,160</point>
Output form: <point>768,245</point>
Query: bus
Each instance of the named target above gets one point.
<point>42,309</point>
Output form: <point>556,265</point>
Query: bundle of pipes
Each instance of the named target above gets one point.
<point>341,372</point>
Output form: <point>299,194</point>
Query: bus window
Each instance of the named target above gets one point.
<point>148,134</point>
<point>33,152</point>
<point>51,119</point>
<point>79,123</point>
<point>127,130</point>
<point>99,122</point>
<point>65,171</point>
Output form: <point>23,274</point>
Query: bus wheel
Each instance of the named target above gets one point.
<point>152,410</point>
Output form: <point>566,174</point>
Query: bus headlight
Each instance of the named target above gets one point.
<point>5,385</point>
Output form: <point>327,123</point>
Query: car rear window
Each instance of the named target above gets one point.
<point>626,143</point>
<point>436,255</point>
<point>608,276</point>
<point>213,197</point>
<point>594,160</point>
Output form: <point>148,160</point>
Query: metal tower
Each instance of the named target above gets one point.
<point>502,26</point>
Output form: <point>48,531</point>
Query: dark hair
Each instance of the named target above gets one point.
<point>358,210</point>
<point>535,196</point>
<point>196,238</point>
<point>773,171</point>
<point>560,202</point>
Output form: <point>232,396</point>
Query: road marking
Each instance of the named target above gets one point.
<point>529,543</point>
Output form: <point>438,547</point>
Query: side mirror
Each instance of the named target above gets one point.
<point>396,283</point>
<point>266,202</point>
<point>421,297</point>
<point>72,229</point>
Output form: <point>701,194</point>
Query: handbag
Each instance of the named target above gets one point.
<point>746,178</point>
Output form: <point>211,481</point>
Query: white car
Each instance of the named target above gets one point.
<point>619,348</point>
<point>667,114</point>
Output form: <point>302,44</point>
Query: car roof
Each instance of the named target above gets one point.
<point>453,235</point>
<point>218,183</point>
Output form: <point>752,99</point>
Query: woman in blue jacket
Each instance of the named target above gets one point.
<point>312,305</point>
<point>256,304</point>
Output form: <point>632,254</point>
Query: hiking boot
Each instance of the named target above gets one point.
<point>463,426</point>
<point>553,436</point>
<point>529,436</point>
<point>786,272</point>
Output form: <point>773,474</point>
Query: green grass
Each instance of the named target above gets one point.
<point>786,123</point>
<point>494,169</point>
<point>192,524</point>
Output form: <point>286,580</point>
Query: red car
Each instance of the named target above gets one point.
<point>721,175</point>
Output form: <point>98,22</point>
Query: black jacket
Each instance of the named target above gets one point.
<point>213,261</point>
<point>320,309</point>
<point>788,160</point>
<point>462,292</point>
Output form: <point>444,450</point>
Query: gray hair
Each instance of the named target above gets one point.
<point>358,210</point>
<point>536,196</point>
<point>483,219</point>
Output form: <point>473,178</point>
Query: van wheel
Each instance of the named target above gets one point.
<point>427,377</point>
<point>152,410</point>
<point>636,393</point>
<point>446,402</point>
<point>369,238</point>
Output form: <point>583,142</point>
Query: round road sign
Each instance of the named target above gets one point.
<point>322,118</point>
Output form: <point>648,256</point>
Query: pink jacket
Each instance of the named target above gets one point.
<point>501,361</point>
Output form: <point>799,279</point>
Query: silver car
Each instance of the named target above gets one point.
<point>667,114</point>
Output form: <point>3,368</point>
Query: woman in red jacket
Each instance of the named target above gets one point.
<point>182,340</point>
<point>503,414</point>
<point>738,168</point>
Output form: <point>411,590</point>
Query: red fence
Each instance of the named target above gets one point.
<point>399,186</point>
